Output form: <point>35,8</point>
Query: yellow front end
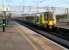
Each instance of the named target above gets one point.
<point>51,23</point>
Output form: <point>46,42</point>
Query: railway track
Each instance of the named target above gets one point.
<point>58,35</point>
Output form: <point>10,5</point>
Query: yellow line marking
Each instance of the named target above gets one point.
<point>29,41</point>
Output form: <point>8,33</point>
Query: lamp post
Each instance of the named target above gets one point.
<point>67,13</point>
<point>4,17</point>
<point>4,20</point>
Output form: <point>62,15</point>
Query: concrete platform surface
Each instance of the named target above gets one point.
<point>19,37</point>
<point>12,40</point>
<point>40,41</point>
<point>62,25</point>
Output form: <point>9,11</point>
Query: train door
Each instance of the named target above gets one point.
<point>37,20</point>
<point>41,18</point>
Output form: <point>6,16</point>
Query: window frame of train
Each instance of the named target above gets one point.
<point>37,20</point>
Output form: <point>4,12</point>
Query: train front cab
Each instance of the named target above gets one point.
<point>51,20</point>
<point>48,20</point>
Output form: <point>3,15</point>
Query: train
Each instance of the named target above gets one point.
<point>44,19</point>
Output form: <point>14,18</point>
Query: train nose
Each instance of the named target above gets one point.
<point>50,23</point>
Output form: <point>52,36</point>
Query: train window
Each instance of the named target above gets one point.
<point>50,15</point>
<point>36,19</point>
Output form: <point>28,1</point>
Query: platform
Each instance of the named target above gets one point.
<point>13,40</point>
<point>62,25</point>
<point>40,41</point>
<point>18,37</point>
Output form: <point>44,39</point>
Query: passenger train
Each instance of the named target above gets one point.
<point>44,19</point>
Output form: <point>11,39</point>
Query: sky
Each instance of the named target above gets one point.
<point>55,3</point>
<point>40,3</point>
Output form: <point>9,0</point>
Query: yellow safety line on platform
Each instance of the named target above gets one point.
<point>28,39</point>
